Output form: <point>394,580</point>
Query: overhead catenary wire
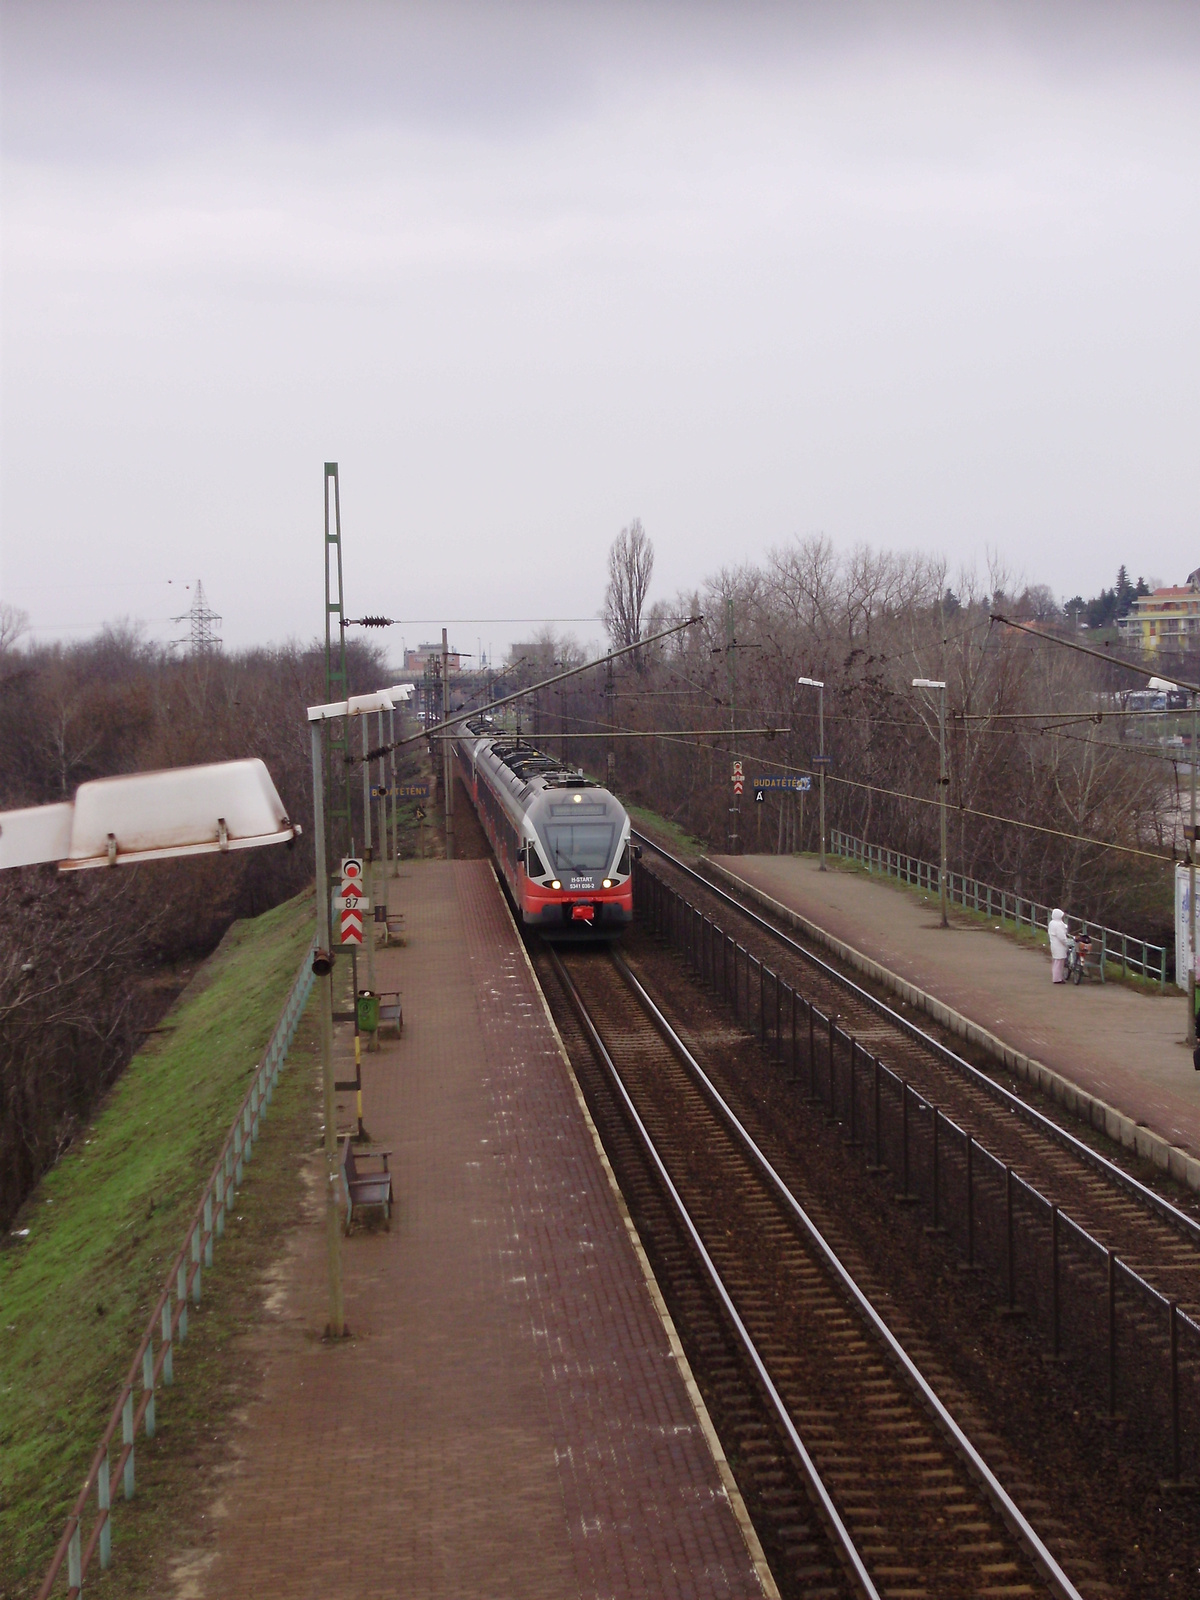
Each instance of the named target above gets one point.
<point>517,694</point>
<point>799,771</point>
<point>593,727</point>
<point>660,733</point>
<point>924,800</point>
<point>1087,650</point>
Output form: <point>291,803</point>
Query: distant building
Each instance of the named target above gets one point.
<point>1166,620</point>
<point>414,660</point>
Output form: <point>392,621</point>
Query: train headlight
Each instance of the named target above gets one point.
<point>608,883</point>
<point>554,883</point>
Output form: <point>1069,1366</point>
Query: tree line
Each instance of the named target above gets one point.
<point>1044,771</point>
<point>88,961</point>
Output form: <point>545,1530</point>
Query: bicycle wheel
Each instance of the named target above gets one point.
<point>1077,972</point>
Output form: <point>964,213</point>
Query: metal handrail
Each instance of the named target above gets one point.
<point>1154,1201</point>
<point>974,895</point>
<point>184,1278</point>
<point>1002,1502</point>
<point>667,920</point>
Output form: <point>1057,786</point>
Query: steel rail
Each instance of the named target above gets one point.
<point>1014,1519</point>
<point>1117,1175</point>
<point>836,1527</point>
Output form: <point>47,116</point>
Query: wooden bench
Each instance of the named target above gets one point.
<point>365,1188</point>
<point>390,1010</point>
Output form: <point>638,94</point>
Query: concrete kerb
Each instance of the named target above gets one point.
<point>1097,1113</point>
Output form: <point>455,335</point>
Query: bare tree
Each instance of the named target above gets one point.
<point>13,623</point>
<point>630,564</point>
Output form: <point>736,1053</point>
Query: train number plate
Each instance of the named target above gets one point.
<point>583,880</point>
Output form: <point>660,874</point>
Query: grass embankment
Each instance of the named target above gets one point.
<point>104,1226</point>
<point>668,834</point>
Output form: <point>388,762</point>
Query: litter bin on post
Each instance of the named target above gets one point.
<point>368,1011</point>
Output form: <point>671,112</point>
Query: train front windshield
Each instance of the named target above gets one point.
<point>580,846</point>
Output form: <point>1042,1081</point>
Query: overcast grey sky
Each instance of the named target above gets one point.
<point>917,275</point>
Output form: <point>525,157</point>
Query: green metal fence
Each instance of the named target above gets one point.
<point>1121,951</point>
<point>169,1320</point>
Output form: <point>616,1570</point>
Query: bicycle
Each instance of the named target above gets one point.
<point>1078,949</point>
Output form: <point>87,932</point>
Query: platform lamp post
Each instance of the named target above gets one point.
<point>318,716</point>
<point>369,850</point>
<point>1191,988</point>
<point>943,781</point>
<point>819,686</point>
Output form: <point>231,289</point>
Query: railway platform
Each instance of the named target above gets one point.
<point>512,1413</point>
<point>1116,1056</point>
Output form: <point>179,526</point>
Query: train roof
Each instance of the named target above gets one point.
<point>528,763</point>
<point>529,782</point>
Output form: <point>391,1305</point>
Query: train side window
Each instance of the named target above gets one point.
<point>535,868</point>
<point>623,863</point>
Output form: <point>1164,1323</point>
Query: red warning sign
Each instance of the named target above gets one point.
<point>352,902</point>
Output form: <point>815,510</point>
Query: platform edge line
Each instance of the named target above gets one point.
<point>1089,1108</point>
<point>762,1569</point>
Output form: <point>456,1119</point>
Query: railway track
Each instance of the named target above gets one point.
<point>1159,1239</point>
<point>860,1480</point>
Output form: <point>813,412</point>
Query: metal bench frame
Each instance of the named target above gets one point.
<point>369,1188</point>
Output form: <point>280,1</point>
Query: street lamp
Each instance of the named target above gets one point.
<point>361,705</point>
<point>1191,941</point>
<point>150,816</point>
<point>943,780</point>
<point>818,685</point>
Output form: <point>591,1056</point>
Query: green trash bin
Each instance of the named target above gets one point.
<point>368,1011</point>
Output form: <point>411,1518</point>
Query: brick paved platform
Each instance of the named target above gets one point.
<point>509,1418</point>
<point>1125,1048</point>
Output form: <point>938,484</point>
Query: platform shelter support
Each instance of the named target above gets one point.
<point>1191,984</point>
<point>323,966</point>
<point>447,758</point>
<point>943,782</point>
<point>819,685</point>
<point>368,851</point>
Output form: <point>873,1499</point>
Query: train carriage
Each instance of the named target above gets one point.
<point>561,841</point>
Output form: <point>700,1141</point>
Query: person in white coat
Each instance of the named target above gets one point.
<point>1057,930</point>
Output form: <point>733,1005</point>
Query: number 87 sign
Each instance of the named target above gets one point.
<point>352,902</point>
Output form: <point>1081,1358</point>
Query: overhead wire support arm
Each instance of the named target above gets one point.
<point>662,733</point>
<point>1087,650</point>
<point>520,694</point>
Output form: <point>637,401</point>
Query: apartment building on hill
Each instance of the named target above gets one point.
<point>1166,620</point>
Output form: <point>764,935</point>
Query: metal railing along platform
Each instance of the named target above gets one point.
<point>1116,949</point>
<point>1138,1347</point>
<point>169,1318</point>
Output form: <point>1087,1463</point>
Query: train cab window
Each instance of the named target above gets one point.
<point>582,847</point>
<point>535,868</point>
<point>623,864</point>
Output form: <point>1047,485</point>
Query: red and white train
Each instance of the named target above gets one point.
<point>561,841</point>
